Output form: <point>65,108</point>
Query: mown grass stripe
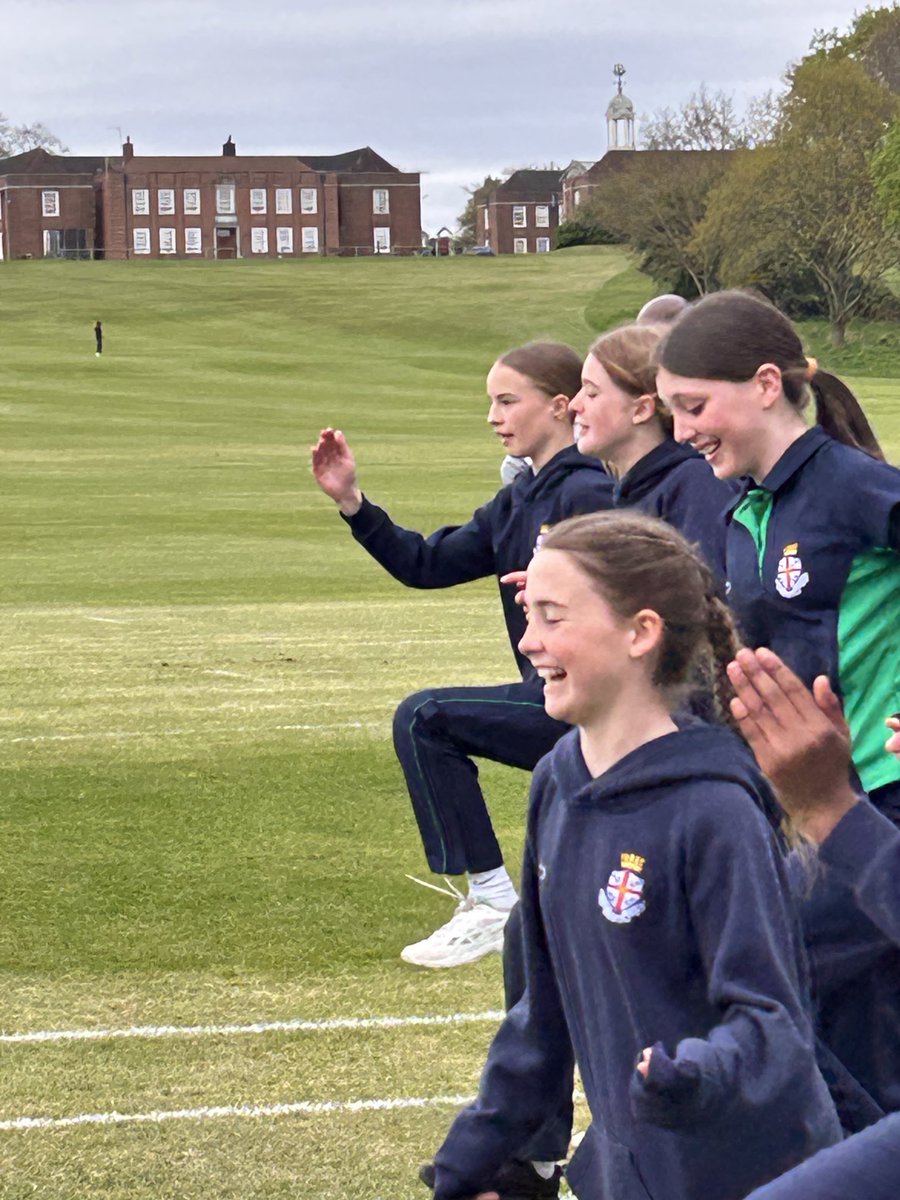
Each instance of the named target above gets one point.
<point>294,1026</point>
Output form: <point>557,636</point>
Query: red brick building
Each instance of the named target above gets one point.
<point>520,215</point>
<point>222,206</point>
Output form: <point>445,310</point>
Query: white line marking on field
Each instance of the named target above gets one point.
<point>299,1108</point>
<point>298,1025</point>
<point>122,734</point>
<point>111,620</point>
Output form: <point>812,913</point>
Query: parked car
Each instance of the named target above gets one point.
<point>482,251</point>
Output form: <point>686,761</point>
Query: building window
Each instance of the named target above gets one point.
<point>542,216</point>
<point>225,198</point>
<point>283,200</point>
<point>520,245</point>
<point>381,201</point>
<point>309,200</point>
<point>577,197</point>
<point>487,218</point>
<point>382,241</point>
<point>141,241</point>
<point>166,201</point>
<point>167,241</point>
<point>285,237</point>
<point>519,219</point>
<point>52,243</point>
<point>193,240</point>
<point>311,240</point>
<point>50,204</point>
<point>542,246</point>
<point>140,202</point>
<point>191,201</point>
<point>257,200</point>
<point>259,241</point>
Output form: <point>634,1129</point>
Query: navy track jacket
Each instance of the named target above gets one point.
<point>501,536</point>
<point>655,913</point>
<point>676,484</point>
<point>862,854</point>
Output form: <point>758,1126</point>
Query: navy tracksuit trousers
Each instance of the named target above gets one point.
<point>437,733</point>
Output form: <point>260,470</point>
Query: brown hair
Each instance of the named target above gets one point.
<point>628,355</point>
<point>553,367</point>
<point>638,562</point>
<point>729,335</point>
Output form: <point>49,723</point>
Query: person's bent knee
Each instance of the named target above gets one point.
<point>414,713</point>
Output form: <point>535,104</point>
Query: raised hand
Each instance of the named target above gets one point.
<point>334,470</point>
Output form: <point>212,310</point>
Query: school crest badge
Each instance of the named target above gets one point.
<point>790,579</point>
<point>622,899</point>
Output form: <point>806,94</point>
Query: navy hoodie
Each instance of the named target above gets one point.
<point>863,855</point>
<point>654,913</point>
<point>501,536</point>
<point>675,483</point>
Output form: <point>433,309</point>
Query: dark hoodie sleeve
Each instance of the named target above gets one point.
<point>453,554</point>
<point>527,1071</point>
<point>863,851</point>
<point>761,1052</point>
<point>695,504</point>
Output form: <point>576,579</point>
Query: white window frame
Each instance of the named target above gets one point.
<point>520,216</point>
<point>141,241</point>
<point>381,239</point>
<point>542,216</point>
<point>193,239</point>
<point>167,241</point>
<point>520,245</point>
<point>487,218</point>
<point>259,240</point>
<point>284,239</point>
<point>165,202</point>
<point>47,235</point>
<point>140,202</point>
<point>191,201</point>
<point>310,242</point>
<point>50,203</point>
<point>309,200</point>
<point>381,201</point>
<point>225,199</point>
<point>577,197</point>
<point>283,200</point>
<point>542,245</point>
<point>258,201</point>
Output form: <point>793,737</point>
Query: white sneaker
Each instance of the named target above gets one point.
<point>475,929</point>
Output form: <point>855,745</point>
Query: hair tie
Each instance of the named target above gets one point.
<point>812,367</point>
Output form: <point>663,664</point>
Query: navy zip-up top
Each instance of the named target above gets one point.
<point>654,912</point>
<point>814,574</point>
<point>863,855</point>
<point>501,536</point>
<point>675,483</point>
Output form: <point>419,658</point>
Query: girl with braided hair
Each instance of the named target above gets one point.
<point>655,924</point>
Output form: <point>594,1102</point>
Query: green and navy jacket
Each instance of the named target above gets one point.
<point>813,567</point>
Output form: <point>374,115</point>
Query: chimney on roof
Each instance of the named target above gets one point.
<point>127,149</point>
<point>229,150</point>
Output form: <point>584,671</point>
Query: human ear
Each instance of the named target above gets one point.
<point>646,633</point>
<point>771,385</point>
<point>644,409</point>
<point>559,406</point>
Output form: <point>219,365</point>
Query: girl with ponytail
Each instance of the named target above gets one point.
<point>813,540</point>
<point>655,927</point>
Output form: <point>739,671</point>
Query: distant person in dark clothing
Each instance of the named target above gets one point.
<point>98,334</point>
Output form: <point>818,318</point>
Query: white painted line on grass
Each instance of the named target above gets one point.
<point>110,620</point>
<point>299,1108</point>
<point>123,734</point>
<point>294,1026</point>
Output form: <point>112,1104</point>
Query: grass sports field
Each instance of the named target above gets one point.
<point>204,833</point>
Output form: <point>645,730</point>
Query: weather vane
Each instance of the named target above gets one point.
<point>619,71</point>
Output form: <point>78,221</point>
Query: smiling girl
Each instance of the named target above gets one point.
<point>653,902</point>
<point>437,732</point>
<point>812,545</point>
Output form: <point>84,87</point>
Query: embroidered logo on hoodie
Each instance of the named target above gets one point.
<point>622,899</point>
<point>790,579</point>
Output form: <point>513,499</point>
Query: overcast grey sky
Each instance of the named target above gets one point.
<point>455,89</point>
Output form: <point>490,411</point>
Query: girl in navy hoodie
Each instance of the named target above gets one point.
<point>619,419</point>
<point>438,732</point>
<point>655,924</point>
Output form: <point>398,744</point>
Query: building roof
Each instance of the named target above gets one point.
<point>41,162</point>
<point>222,163</point>
<point>614,161</point>
<point>364,159</point>
<point>620,106</point>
